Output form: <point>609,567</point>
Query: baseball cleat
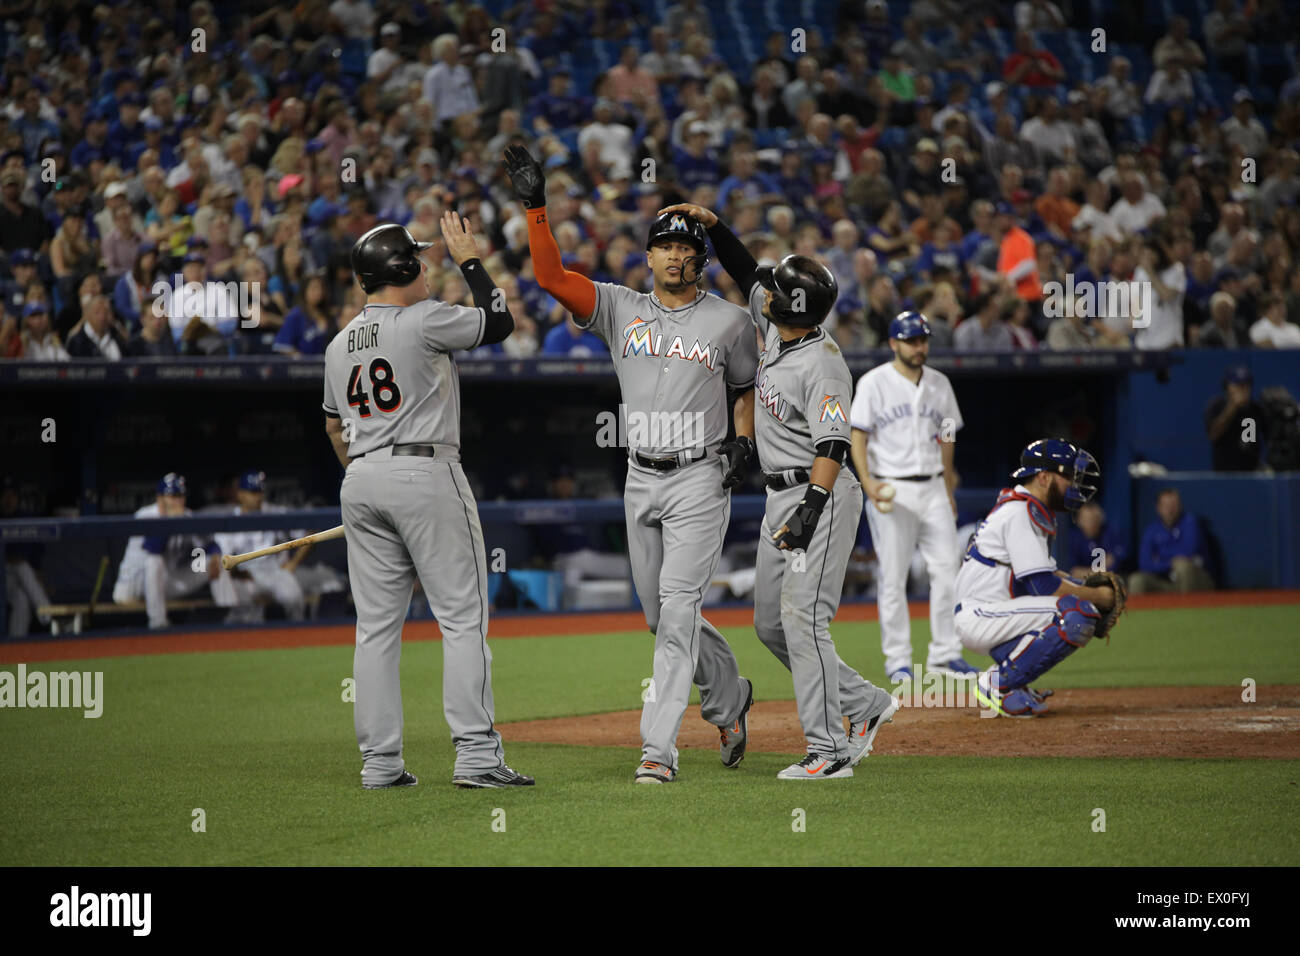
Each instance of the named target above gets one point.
<point>404,779</point>
<point>957,667</point>
<point>1012,703</point>
<point>1038,695</point>
<point>651,772</point>
<point>900,675</point>
<point>817,767</point>
<point>862,735</point>
<point>732,747</point>
<point>502,776</point>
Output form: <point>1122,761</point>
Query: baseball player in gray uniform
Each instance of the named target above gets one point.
<point>676,352</point>
<point>392,413</point>
<point>813,501</point>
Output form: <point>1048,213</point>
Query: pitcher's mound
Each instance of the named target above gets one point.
<point>1083,722</point>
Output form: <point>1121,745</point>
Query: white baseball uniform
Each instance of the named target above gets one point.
<point>1013,542</point>
<point>904,423</point>
<point>267,575</point>
<point>159,569</point>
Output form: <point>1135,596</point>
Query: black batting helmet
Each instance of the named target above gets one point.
<point>803,290</point>
<point>682,228</point>
<point>387,255</point>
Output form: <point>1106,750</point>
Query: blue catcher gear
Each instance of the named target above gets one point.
<point>1063,458</point>
<point>172,484</point>
<point>909,325</point>
<point>1025,658</point>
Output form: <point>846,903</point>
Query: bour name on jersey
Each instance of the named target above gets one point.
<point>364,337</point>
<point>641,339</point>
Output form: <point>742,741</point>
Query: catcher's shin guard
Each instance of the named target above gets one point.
<point>1028,657</point>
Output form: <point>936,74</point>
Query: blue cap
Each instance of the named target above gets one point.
<point>1004,208</point>
<point>22,257</point>
<point>1238,375</point>
<point>909,325</point>
<point>153,124</point>
<point>172,484</point>
<point>313,145</point>
<point>194,257</point>
<point>252,481</point>
<point>34,308</point>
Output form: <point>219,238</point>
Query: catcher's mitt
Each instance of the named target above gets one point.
<point>1108,579</point>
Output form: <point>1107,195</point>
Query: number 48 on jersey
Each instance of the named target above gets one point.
<point>386,395</point>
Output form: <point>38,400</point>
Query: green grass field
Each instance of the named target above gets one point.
<point>263,743</point>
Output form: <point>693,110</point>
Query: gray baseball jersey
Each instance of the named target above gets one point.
<point>390,373</point>
<point>674,366</point>
<point>802,398</point>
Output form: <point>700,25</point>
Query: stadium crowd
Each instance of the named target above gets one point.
<point>937,155</point>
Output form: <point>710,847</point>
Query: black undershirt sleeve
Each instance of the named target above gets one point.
<point>498,322</point>
<point>734,257</point>
<point>836,449</point>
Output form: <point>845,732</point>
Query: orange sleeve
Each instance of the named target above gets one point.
<point>572,290</point>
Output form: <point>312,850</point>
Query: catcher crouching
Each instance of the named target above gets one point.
<point>1012,602</point>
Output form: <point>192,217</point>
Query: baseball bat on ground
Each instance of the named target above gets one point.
<point>229,561</point>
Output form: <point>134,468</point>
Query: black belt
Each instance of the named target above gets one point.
<point>910,477</point>
<point>787,479</point>
<point>410,451</point>
<point>666,464</point>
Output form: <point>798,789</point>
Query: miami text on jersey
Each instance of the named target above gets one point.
<point>366,337</point>
<point>831,410</point>
<point>644,340</point>
<point>770,398</point>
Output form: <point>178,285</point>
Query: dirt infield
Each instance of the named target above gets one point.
<point>503,625</point>
<point>1091,722</point>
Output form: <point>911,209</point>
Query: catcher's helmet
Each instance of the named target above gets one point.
<point>682,228</point>
<point>172,484</point>
<point>803,290</point>
<point>387,255</point>
<point>1064,458</point>
<point>908,325</point>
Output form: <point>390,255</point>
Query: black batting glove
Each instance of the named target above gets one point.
<point>797,533</point>
<point>526,176</point>
<point>740,455</point>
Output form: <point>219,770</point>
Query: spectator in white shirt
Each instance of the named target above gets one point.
<point>1122,100</point>
<point>356,17</point>
<point>1161,265</point>
<point>1136,208</point>
<point>1170,84</point>
<point>40,342</point>
<point>1273,331</point>
<point>613,138</point>
<point>1049,133</point>
<point>1093,218</point>
<point>448,85</point>
<point>385,61</point>
<point>1242,128</point>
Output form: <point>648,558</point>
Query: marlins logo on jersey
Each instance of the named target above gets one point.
<point>832,411</point>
